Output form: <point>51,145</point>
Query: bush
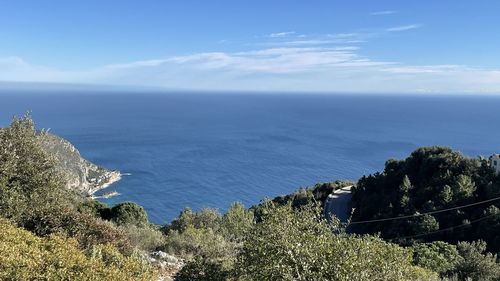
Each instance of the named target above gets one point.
<point>236,222</point>
<point>90,231</point>
<point>27,257</point>
<point>202,269</point>
<point>129,213</point>
<point>95,208</point>
<point>300,245</point>
<point>206,218</point>
<point>32,193</point>
<point>194,242</point>
<point>147,238</point>
<point>438,256</point>
<point>476,264</point>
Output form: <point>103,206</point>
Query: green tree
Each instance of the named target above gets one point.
<point>476,264</point>
<point>200,234</point>
<point>446,195</point>
<point>237,221</point>
<point>438,256</point>
<point>464,187</point>
<point>206,218</point>
<point>29,184</point>
<point>129,213</point>
<point>441,178</point>
<point>425,224</point>
<point>298,244</point>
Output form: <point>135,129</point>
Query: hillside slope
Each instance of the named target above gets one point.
<point>82,175</point>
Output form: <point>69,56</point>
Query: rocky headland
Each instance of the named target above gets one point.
<point>82,175</point>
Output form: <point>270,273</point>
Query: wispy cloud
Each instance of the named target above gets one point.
<point>318,42</point>
<point>338,69</point>
<point>281,34</point>
<point>298,40</point>
<point>284,62</point>
<point>404,27</point>
<point>276,60</point>
<point>383,13</point>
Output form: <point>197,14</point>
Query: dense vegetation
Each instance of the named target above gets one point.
<point>287,244</point>
<point>28,257</point>
<point>50,233</point>
<point>72,235</point>
<point>431,179</point>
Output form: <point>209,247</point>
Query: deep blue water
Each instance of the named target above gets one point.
<point>208,150</point>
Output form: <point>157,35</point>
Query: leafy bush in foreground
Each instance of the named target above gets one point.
<point>300,245</point>
<point>33,196</point>
<point>27,257</point>
<point>31,190</point>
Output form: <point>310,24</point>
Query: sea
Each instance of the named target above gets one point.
<point>200,150</point>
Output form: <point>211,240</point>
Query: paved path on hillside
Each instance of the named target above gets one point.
<point>339,204</point>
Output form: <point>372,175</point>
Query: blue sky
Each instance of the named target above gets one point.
<point>324,46</point>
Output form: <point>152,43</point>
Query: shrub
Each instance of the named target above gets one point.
<point>129,213</point>
<point>438,256</point>
<point>27,257</point>
<point>300,245</point>
<point>475,263</point>
<point>95,208</point>
<point>206,218</point>
<point>90,231</point>
<point>198,242</point>
<point>236,222</point>
<point>202,269</point>
<point>31,190</point>
<point>147,238</point>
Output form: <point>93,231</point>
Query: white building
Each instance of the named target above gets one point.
<point>495,162</point>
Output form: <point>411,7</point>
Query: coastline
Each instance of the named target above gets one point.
<point>112,177</point>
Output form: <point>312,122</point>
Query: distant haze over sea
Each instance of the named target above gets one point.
<point>208,150</point>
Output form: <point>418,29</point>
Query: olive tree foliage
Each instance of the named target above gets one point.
<point>209,241</point>
<point>464,261</point>
<point>31,190</point>
<point>475,263</point>
<point>298,244</point>
<point>236,222</point>
<point>28,257</point>
<point>209,234</point>
<point>33,193</point>
<point>437,256</point>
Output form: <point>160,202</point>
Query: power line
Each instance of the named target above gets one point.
<point>444,229</point>
<point>426,213</point>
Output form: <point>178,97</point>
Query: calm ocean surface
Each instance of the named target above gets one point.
<point>208,150</point>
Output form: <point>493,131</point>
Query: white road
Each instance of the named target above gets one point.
<point>339,204</point>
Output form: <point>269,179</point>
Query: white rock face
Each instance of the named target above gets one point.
<point>81,174</point>
<point>169,265</point>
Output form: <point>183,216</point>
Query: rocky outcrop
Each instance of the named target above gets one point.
<point>167,265</point>
<point>82,175</point>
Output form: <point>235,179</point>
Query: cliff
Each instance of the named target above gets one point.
<point>82,175</point>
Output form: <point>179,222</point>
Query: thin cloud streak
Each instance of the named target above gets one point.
<point>281,34</point>
<point>383,13</point>
<point>404,27</point>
